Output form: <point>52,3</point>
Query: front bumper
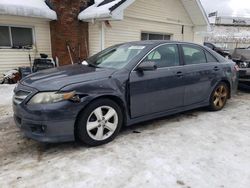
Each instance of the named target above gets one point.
<point>46,131</point>
<point>46,122</point>
<point>244,78</point>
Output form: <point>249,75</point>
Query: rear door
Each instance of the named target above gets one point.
<point>202,71</point>
<point>161,89</point>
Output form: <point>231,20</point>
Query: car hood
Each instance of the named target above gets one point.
<point>57,78</point>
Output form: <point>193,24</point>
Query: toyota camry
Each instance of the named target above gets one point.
<point>120,86</point>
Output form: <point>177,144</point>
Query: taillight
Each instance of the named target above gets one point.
<point>236,68</point>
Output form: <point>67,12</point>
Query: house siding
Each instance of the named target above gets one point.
<point>94,38</point>
<point>13,58</point>
<point>161,16</point>
<point>159,10</point>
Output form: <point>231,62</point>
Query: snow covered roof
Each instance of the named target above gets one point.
<point>105,10</point>
<point>113,10</point>
<point>28,8</point>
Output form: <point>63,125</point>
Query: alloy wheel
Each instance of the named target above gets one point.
<point>220,96</point>
<point>102,123</point>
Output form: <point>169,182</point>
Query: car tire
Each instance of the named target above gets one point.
<point>219,96</point>
<point>99,123</point>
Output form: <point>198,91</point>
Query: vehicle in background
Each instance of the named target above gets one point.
<point>120,86</point>
<point>219,50</point>
<point>13,76</point>
<point>241,56</point>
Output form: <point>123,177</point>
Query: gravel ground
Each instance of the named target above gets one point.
<point>196,149</point>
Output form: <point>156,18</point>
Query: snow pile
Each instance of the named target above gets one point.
<point>28,8</point>
<point>95,11</point>
<point>6,94</point>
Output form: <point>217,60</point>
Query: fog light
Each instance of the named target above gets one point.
<point>38,128</point>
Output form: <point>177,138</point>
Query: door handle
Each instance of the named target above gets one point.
<point>216,68</point>
<point>179,74</point>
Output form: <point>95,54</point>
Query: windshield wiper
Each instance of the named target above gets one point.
<point>92,65</point>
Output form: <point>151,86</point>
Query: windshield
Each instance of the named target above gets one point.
<point>116,57</point>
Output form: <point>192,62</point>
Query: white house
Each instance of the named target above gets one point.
<point>117,21</point>
<point>27,24</point>
<point>23,23</point>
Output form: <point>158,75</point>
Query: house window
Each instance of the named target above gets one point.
<point>16,37</point>
<point>154,36</point>
<point>4,36</point>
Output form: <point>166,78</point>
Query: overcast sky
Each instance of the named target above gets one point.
<point>240,8</point>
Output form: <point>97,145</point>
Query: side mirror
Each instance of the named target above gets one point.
<point>147,66</point>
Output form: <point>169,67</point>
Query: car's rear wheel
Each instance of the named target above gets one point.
<point>219,97</point>
<point>99,123</point>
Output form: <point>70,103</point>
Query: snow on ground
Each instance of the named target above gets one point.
<point>30,8</point>
<point>6,93</point>
<point>196,149</point>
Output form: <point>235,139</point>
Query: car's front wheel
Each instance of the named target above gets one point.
<point>219,97</point>
<point>99,123</point>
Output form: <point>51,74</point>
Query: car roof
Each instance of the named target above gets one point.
<point>158,42</point>
<point>154,43</point>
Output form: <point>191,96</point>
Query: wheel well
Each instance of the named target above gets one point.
<point>228,85</point>
<point>117,100</point>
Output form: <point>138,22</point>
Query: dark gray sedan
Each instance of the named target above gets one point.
<point>120,86</point>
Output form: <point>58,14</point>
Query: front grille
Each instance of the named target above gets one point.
<point>20,96</point>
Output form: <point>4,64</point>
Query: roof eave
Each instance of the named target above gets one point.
<point>49,18</point>
<point>117,14</point>
<point>32,12</point>
<point>198,20</point>
<point>203,13</point>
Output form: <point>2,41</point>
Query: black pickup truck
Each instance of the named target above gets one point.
<point>242,57</point>
<point>217,49</point>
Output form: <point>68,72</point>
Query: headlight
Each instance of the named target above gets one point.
<point>244,65</point>
<point>51,97</point>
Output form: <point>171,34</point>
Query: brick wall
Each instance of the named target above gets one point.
<point>68,30</point>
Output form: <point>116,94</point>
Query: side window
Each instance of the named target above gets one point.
<point>210,58</point>
<point>154,56</point>
<point>193,55</point>
<point>165,56</point>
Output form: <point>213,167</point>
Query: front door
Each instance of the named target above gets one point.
<point>161,89</point>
